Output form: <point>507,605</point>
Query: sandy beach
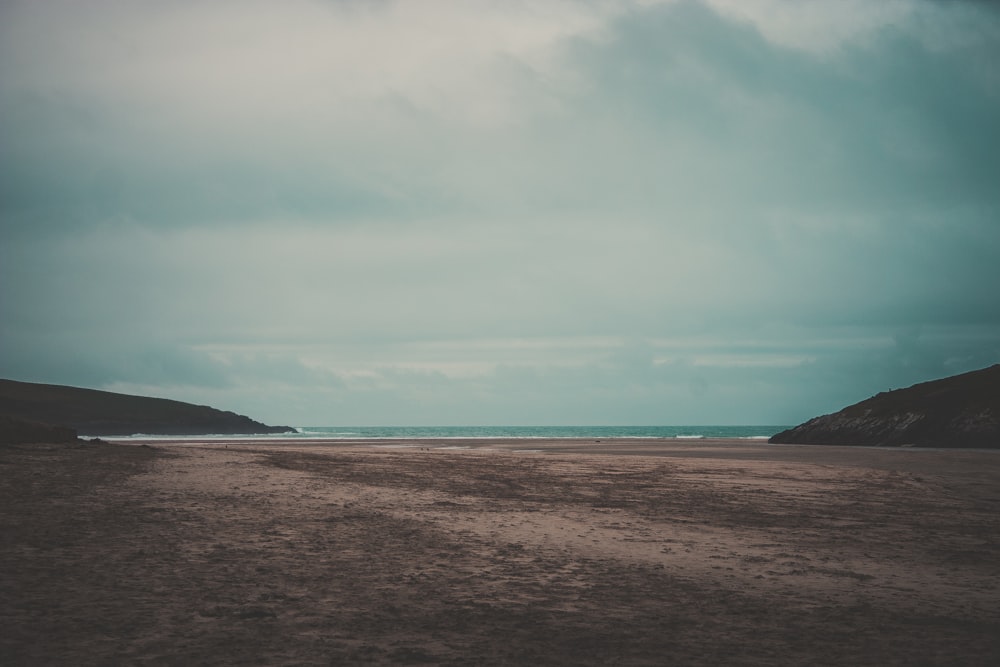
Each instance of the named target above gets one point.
<point>517,552</point>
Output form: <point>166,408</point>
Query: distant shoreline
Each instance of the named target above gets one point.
<point>581,432</point>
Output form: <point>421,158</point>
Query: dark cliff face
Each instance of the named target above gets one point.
<point>19,431</point>
<point>92,412</point>
<point>958,411</point>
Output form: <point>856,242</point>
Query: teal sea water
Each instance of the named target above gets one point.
<point>401,432</point>
<point>486,432</point>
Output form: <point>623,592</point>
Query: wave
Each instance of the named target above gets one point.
<point>686,432</point>
<point>526,433</point>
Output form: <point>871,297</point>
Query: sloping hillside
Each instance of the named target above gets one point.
<point>93,412</point>
<point>958,411</point>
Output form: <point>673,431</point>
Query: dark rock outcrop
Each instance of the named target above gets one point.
<point>958,411</point>
<point>93,412</point>
<point>24,432</point>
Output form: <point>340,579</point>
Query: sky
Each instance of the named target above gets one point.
<point>431,212</point>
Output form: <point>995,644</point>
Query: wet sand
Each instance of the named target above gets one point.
<point>650,552</point>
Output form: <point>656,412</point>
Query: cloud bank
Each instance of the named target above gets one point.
<point>479,212</point>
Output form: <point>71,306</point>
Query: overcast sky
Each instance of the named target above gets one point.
<point>322,212</point>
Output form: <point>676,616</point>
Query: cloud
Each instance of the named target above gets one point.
<point>466,109</point>
<point>193,113</point>
<point>672,211</point>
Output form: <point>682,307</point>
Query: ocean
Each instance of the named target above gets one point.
<point>465,432</point>
<point>754,432</point>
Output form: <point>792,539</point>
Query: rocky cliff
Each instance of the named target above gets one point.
<point>958,411</point>
<point>19,431</point>
<point>92,412</point>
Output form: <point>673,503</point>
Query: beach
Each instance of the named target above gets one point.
<point>498,552</point>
